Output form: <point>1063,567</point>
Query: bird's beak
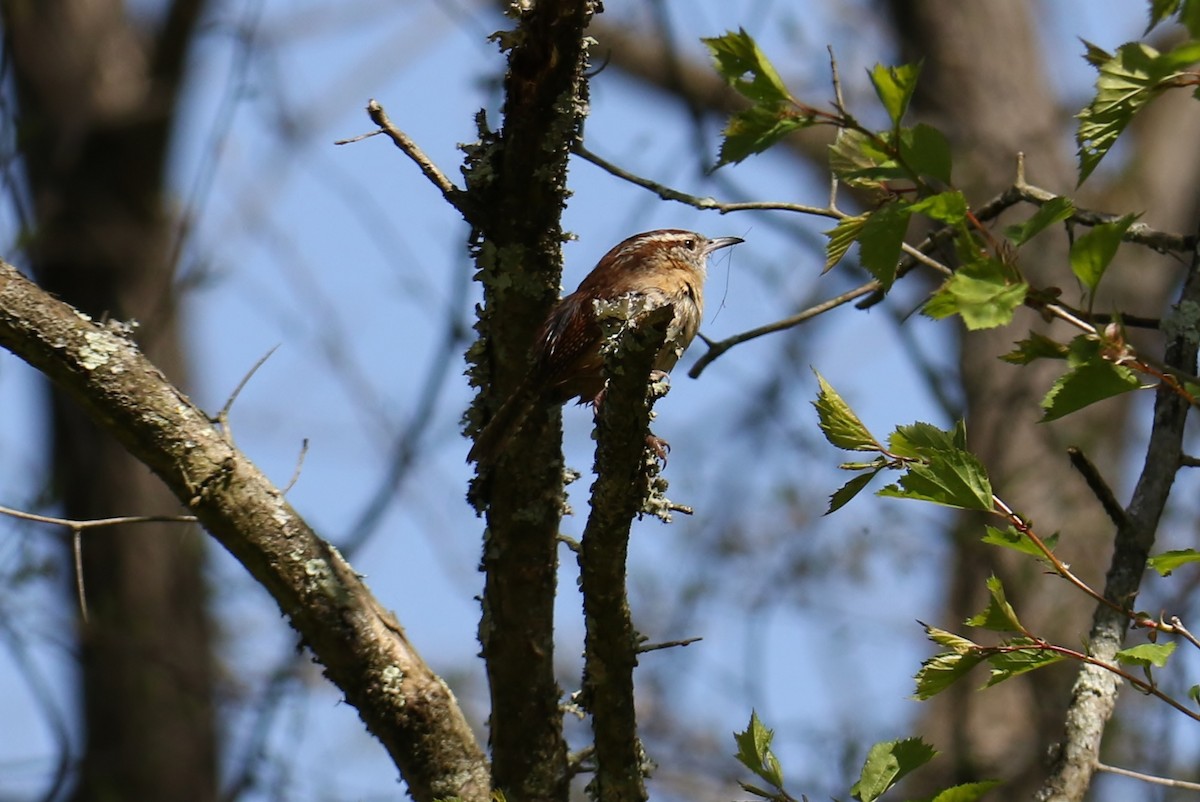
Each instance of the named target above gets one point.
<point>721,242</point>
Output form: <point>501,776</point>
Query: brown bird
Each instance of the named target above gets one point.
<point>667,266</point>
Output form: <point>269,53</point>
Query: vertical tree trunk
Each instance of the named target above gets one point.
<point>97,101</point>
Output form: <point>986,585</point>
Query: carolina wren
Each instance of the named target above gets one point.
<point>667,266</point>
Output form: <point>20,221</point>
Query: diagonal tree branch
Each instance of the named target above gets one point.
<point>1095,693</point>
<point>363,648</point>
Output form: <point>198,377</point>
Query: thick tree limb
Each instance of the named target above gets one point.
<point>362,646</point>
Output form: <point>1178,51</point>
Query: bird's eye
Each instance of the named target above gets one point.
<point>690,244</point>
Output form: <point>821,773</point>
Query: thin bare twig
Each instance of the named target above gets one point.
<point>453,195</point>
<point>1148,778</point>
<point>1099,487</point>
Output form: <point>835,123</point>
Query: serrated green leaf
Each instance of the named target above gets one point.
<point>1146,654</point>
<point>737,56</point>
<point>895,86</point>
<point>983,293</point>
<point>887,763</point>
<point>756,129</point>
<point>1085,384</point>
<point>999,616</point>
<point>952,641</point>
<point>966,792</point>
<point>945,207</point>
<point>941,671</point>
<point>881,239</point>
<point>838,422</point>
<point>926,152</point>
<point>1126,83</point>
<point>843,494</point>
<point>1159,11</point>
<point>857,160</point>
<point>1092,253</point>
<point>1052,211</point>
<point>953,479</point>
<point>1036,346</point>
<point>754,751</point>
<point>923,440</point>
<point>1006,665</point>
<point>841,237</point>
<point>1010,538</point>
<point>1168,561</point>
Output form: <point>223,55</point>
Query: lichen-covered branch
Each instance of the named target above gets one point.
<point>516,188</point>
<point>619,492</point>
<point>1095,691</point>
<point>362,647</point>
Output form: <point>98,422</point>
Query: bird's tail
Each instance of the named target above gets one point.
<point>494,437</point>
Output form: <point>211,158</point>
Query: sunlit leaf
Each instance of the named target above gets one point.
<point>926,151</point>
<point>983,293</point>
<point>843,494</point>
<point>887,763</point>
<point>1052,211</point>
<point>746,68</point>
<point>999,615</point>
<point>1126,83</point>
<point>1086,384</point>
<point>1018,661</point>
<point>1146,654</point>
<point>945,207</point>
<point>756,129</point>
<point>895,86</point>
<point>954,479</point>
<point>754,751</point>
<point>841,237</point>
<point>838,422</point>
<point>966,792</point>
<point>881,239</point>
<point>941,671</point>
<point>1168,561</point>
<point>1010,538</point>
<point>1036,346</point>
<point>1092,253</point>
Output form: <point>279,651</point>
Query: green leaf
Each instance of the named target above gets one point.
<point>946,207</point>
<point>1092,253</point>
<point>842,495</point>
<point>1146,654</point>
<point>895,86</point>
<point>953,479</point>
<point>1052,211</point>
<point>1168,561</point>
<point>982,292</point>
<point>1009,664</point>
<point>999,615</point>
<point>966,792</point>
<point>880,241</point>
<point>1010,538</point>
<point>838,422</point>
<point>887,763</point>
<point>1194,694</point>
<point>841,237</point>
<point>756,129</point>
<point>1036,346</point>
<point>1126,83</point>
<point>1085,384</point>
<point>754,751</point>
<point>955,643</point>
<point>746,68</point>
<point>926,152</point>
<point>1159,11</point>
<point>857,160</point>
<point>922,440</point>
<point>941,671</point>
